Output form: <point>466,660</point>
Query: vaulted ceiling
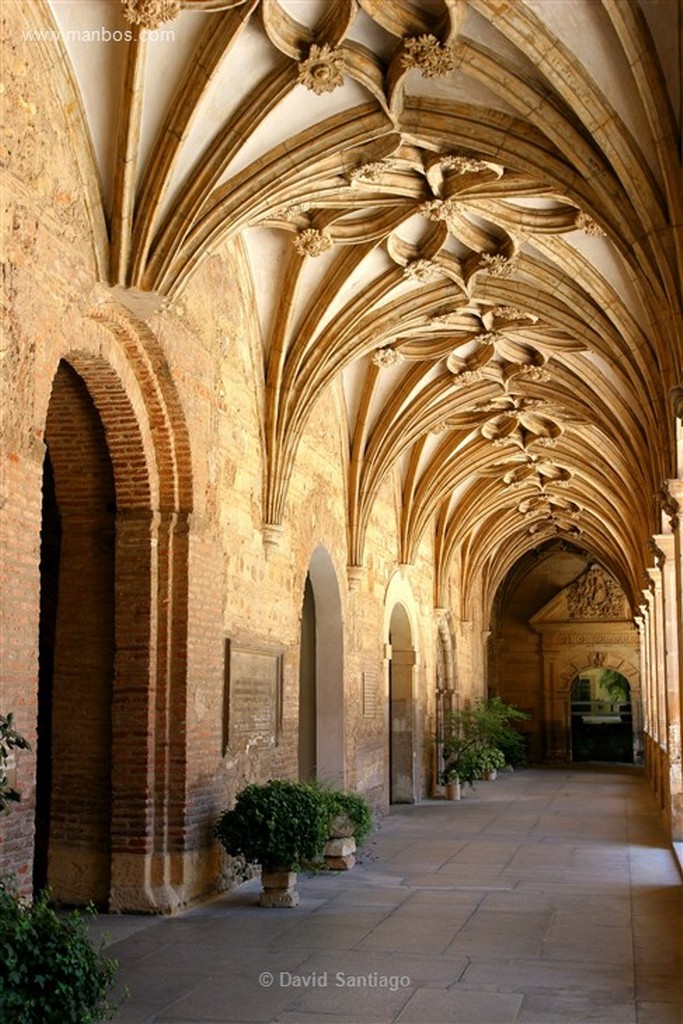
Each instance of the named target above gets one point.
<point>469,211</point>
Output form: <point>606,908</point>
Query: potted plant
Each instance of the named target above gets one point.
<point>493,719</point>
<point>350,823</point>
<point>493,761</point>
<point>464,761</point>
<point>281,825</point>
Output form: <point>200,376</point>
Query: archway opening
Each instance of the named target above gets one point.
<point>401,709</point>
<point>308,732</point>
<point>76,650</point>
<point>321,674</point>
<point>601,719</point>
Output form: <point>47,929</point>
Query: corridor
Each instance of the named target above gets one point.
<point>545,897</point>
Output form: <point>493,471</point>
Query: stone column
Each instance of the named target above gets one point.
<point>671,613</point>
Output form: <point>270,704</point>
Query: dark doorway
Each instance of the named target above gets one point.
<point>602,726</point>
<point>308,738</point>
<point>76,650</point>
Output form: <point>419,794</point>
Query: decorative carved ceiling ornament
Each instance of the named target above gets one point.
<point>497,264</point>
<point>312,242</point>
<point>150,14</point>
<point>423,270</point>
<point>440,209</point>
<point>585,223</point>
<point>370,172</point>
<point>467,165</point>
<point>322,70</point>
<point>384,357</point>
<point>428,56</point>
<point>528,469</point>
<point>511,344</point>
<point>545,505</point>
<point>466,377</point>
<point>518,421</point>
<point>595,595</point>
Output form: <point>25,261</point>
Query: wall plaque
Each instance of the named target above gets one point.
<point>253,695</point>
<point>371,699</point>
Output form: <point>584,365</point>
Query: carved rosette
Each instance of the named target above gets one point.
<point>322,70</point>
<point>383,357</point>
<point>428,56</point>
<point>312,242</point>
<point>150,13</point>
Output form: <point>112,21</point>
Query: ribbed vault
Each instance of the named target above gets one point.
<point>468,210</point>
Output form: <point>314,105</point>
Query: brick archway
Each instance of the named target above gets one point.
<point>146,442</point>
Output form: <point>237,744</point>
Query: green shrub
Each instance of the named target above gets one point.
<point>352,806</point>
<point>50,973</point>
<point>279,824</point>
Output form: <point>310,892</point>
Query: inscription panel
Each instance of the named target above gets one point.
<point>371,694</point>
<point>253,695</point>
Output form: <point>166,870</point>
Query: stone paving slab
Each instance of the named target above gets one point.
<point>509,907</point>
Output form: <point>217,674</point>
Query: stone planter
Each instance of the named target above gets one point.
<point>279,889</point>
<point>340,853</point>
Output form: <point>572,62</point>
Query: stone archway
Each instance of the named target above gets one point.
<point>321,677</point>
<point>585,627</point>
<point>402,754</point>
<point>601,716</point>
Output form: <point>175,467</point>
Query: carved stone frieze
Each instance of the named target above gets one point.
<point>595,595</point>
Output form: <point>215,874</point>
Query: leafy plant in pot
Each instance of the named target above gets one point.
<point>281,825</point>
<point>350,823</point>
<point>464,761</point>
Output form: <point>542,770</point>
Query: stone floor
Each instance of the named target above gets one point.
<point>545,897</point>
